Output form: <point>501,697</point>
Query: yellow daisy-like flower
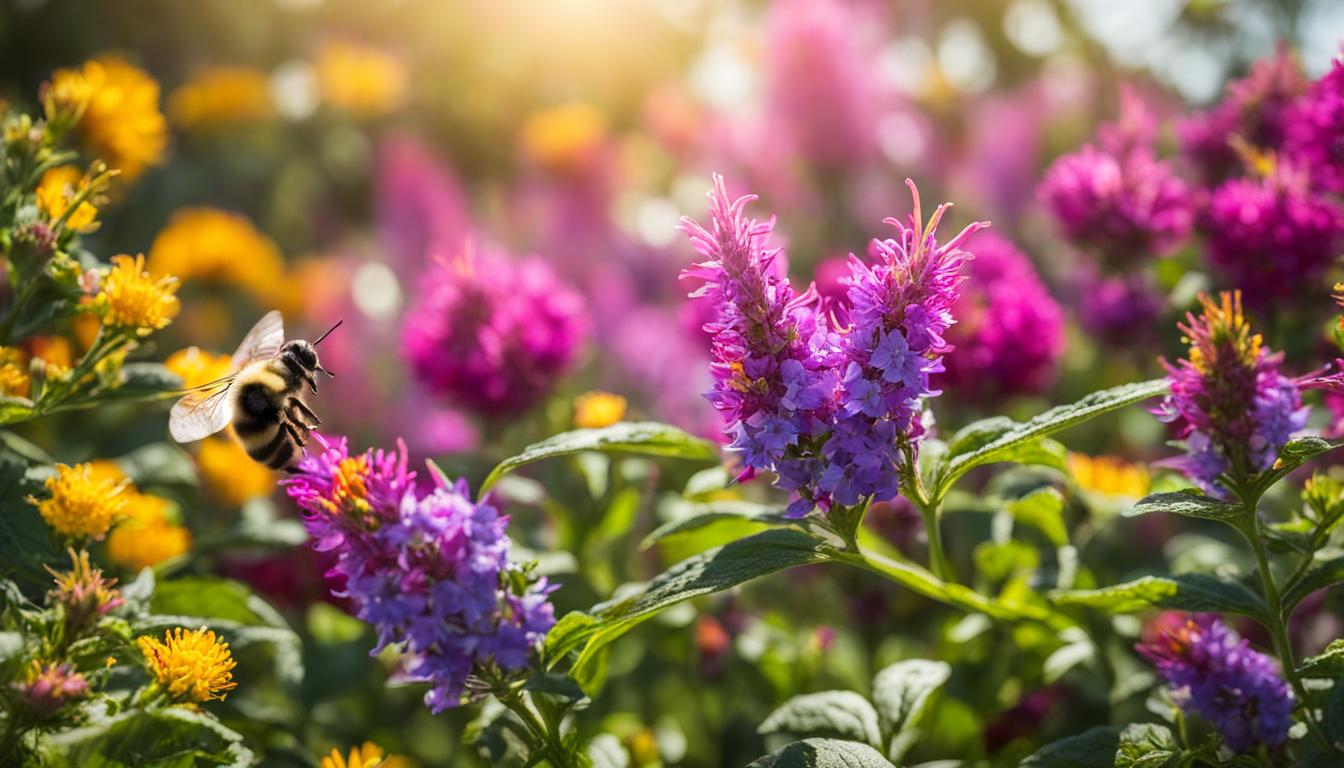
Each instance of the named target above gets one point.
<point>80,503</point>
<point>65,97</point>
<point>219,96</point>
<point>196,366</point>
<point>135,300</point>
<point>121,121</point>
<point>360,79</point>
<point>148,536</point>
<point>564,139</point>
<point>366,755</point>
<point>192,666</point>
<point>106,470</point>
<point>230,475</point>
<point>214,245</point>
<point>55,191</point>
<point>14,380</point>
<point>595,409</point>
<point>1109,476</point>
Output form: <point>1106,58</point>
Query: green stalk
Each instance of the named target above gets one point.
<point>931,510</point>
<point>1278,628</point>
<point>547,742</point>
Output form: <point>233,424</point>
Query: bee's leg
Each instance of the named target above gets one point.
<point>299,436</point>
<point>309,419</point>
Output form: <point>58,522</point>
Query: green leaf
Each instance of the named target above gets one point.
<point>901,693</point>
<point>1294,454</point>
<point>142,379</point>
<point>646,438</point>
<point>1327,663</point>
<point>1043,509</point>
<point>619,517</point>
<point>1093,748</point>
<point>161,737</point>
<point>823,753</point>
<point>569,634</point>
<point>1189,504</point>
<point>1145,745</point>
<point>15,409</point>
<point>26,543</point>
<point>839,714</point>
<point>159,464</point>
<point>1000,442</point>
<point>1199,592</point>
<point>711,571</point>
<point>1321,575</point>
<point>557,686</point>
<point>698,516</point>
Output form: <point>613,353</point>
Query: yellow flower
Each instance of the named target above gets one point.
<point>230,475</point>
<point>80,503</point>
<point>121,122</point>
<point>598,409</point>
<point>58,186</point>
<point>1109,476</point>
<point>191,666</point>
<point>133,299</point>
<point>367,755</point>
<point>196,366</point>
<point>564,139</point>
<point>360,79</point>
<point>106,470</point>
<point>14,380</point>
<point>148,536</point>
<point>222,96</point>
<point>65,97</point>
<point>213,245</point>
<point>85,328</point>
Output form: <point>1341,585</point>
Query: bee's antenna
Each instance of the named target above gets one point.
<point>328,333</point>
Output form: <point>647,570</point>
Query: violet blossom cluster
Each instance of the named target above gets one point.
<point>829,402</point>
<point>492,334</point>
<point>1229,402</point>
<point>1115,197</point>
<point>430,570</point>
<point>1214,673</point>
<point>1316,130</point>
<point>1010,330</point>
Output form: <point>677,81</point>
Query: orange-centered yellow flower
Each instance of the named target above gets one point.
<point>214,245</point>
<point>121,121</point>
<point>196,366</point>
<point>564,139</point>
<point>14,380</point>
<point>1109,476</point>
<point>192,666</point>
<point>594,410</point>
<point>229,474</point>
<point>148,535</point>
<point>367,755</point>
<point>220,96</point>
<point>360,79</point>
<point>132,299</point>
<point>55,191</point>
<point>81,504</point>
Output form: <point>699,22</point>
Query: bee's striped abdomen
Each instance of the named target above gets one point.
<point>257,415</point>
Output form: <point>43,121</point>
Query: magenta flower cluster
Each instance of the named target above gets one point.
<point>1220,677</point>
<point>430,570</point>
<point>1271,235</point>
<point>831,402</point>
<point>1010,331</point>
<point>1316,130</point>
<point>1115,197</point>
<point>492,334</point>
<point>1229,402</point>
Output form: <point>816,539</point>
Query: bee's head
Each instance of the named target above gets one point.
<point>302,353</point>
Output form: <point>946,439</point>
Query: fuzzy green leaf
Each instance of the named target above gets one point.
<point>839,714</point>
<point>646,438</point>
<point>901,693</point>
<point>1186,592</point>
<point>1188,504</point>
<point>1327,663</point>
<point>823,753</point>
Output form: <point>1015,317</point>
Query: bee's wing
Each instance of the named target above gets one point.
<point>263,341</point>
<point>202,412</point>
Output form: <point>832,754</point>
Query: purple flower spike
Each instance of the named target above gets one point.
<point>1216,674</point>
<point>430,571</point>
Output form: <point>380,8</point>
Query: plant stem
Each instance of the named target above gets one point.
<point>1278,628</point>
<point>548,741</point>
<point>930,510</point>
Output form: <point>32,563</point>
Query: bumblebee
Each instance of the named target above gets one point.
<point>263,396</point>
